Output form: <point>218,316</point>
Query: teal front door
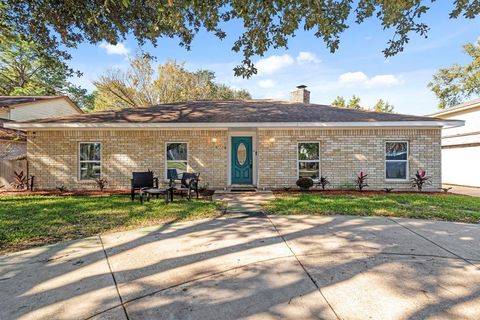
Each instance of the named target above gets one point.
<point>242,164</point>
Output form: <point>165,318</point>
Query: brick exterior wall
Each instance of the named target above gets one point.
<point>345,152</point>
<point>53,155</point>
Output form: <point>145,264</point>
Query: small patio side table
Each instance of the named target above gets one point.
<point>149,192</point>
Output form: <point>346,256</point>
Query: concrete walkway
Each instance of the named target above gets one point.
<point>253,267</point>
<point>244,203</point>
<point>467,191</point>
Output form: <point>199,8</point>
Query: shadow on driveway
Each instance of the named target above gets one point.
<point>301,267</point>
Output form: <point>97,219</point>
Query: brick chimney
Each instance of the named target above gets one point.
<point>301,95</point>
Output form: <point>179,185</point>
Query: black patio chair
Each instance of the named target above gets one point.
<point>172,175</point>
<point>190,182</point>
<point>142,180</point>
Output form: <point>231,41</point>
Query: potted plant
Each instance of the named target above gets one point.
<point>305,183</point>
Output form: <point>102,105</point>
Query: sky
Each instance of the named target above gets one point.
<point>358,67</point>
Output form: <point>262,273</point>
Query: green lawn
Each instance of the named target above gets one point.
<point>35,220</point>
<point>424,206</point>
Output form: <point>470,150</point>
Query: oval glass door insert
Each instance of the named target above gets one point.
<point>241,154</point>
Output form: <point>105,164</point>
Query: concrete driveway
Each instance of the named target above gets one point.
<point>253,267</point>
<point>467,191</point>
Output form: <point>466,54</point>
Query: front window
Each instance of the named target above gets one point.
<point>309,160</point>
<point>177,156</point>
<point>90,161</point>
<point>396,160</point>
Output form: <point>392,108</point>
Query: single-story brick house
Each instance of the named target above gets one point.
<point>262,143</point>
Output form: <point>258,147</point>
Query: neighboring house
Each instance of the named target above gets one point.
<point>25,108</point>
<point>13,143</point>
<point>461,145</point>
<point>262,143</point>
<point>13,154</point>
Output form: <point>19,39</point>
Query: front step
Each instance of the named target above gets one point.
<point>242,188</point>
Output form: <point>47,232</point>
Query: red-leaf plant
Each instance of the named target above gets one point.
<point>361,181</point>
<point>101,183</point>
<point>20,181</point>
<point>323,182</point>
<point>420,179</point>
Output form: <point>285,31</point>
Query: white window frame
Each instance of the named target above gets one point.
<point>407,160</point>
<point>89,161</point>
<point>166,158</point>
<point>319,162</point>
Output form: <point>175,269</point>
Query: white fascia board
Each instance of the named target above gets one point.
<point>226,125</point>
<point>462,107</point>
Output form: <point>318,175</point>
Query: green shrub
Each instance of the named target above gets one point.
<point>305,183</point>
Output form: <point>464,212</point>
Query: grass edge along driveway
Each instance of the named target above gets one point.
<point>27,221</point>
<point>448,207</point>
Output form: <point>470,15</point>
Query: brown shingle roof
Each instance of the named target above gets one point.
<point>9,101</point>
<point>235,111</point>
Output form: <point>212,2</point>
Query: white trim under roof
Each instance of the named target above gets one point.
<point>226,125</point>
<point>458,108</point>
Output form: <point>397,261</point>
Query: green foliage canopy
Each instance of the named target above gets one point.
<point>339,102</point>
<point>383,106</point>
<point>266,24</point>
<point>355,103</point>
<point>457,83</point>
<point>26,69</point>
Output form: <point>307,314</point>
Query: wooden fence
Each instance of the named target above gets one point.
<point>7,168</point>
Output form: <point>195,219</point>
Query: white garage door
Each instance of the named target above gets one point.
<point>461,166</point>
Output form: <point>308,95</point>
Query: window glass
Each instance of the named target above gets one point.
<point>180,166</point>
<point>308,169</point>
<point>309,160</point>
<point>89,170</point>
<point>396,151</point>
<point>241,154</point>
<point>396,160</point>
<point>308,151</point>
<point>177,157</point>
<point>177,151</point>
<point>90,160</point>
<point>396,170</point>
<point>90,151</point>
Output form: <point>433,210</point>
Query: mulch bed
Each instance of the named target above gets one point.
<point>209,193</point>
<point>92,193</point>
<point>353,192</point>
<point>96,193</point>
